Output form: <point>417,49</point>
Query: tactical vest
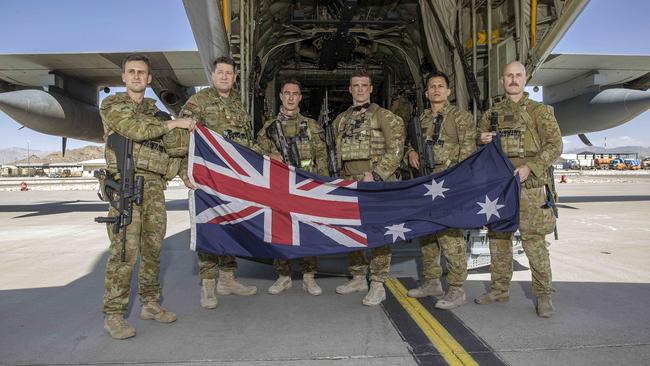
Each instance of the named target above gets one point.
<point>226,117</point>
<point>520,138</point>
<point>360,136</point>
<point>149,156</point>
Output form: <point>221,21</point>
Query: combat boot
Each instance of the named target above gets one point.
<point>428,288</point>
<point>309,284</point>
<point>357,283</point>
<point>454,298</point>
<point>376,295</point>
<point>544,307</point>
<point>281,284</point>
<point>492,296</point>
<point>153,310</point>
<point>208,297</point>
<point>228,285</point>
<point>117,327</point>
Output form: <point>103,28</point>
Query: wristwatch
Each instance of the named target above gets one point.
<point>376,177</point>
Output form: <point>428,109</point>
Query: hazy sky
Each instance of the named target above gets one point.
<point>41,26</point>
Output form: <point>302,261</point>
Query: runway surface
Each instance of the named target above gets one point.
<point>52,261</point>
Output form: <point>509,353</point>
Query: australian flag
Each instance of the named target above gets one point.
<point>249,205</point>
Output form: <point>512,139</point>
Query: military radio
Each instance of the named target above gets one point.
<point>494,121</point>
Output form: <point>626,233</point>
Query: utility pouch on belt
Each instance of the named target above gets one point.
<point>152,157</point>
<point>176,142</point>
<point>172,168</point>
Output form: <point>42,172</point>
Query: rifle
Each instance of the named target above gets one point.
<point>324,121</point>
<point>424,146</point>
<point>551,198</point>
<point>288,148</point>
<point>128,190</point>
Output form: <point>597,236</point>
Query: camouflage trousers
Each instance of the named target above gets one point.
<point>379,265</point>
<point>209,264</point>
<point>534,226</point>
<point>307,264</point>
<point>144,237</point>
<point>452,244</point>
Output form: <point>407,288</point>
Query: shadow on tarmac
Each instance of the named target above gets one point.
<point>60,207</point>
<point>583,199</point>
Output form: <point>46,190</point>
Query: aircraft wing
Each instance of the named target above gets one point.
<point>99,69</point>
<point>614,69</point>
<point>594,92</point>
<point>57,93</point>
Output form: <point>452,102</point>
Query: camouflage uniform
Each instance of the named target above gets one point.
<point>529,135</point>
<point>371,141</point>
<point>457,140</point>
<point>309,137</point>
<point>228,117</point>
<point>144,236</point>
<point>403,108</point>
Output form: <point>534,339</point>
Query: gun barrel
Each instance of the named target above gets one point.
<point>106,220</point>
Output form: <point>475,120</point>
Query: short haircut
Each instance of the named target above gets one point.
<point>223,60</point>
<point>290,81</point>
<point>136,57</point>
<point>437,74</point>
<point>360,73</point>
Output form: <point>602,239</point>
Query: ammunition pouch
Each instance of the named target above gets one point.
<point>176,142</point>
<point>512,142</point>
<point>355,144</point>
<point>363,140</point>
<point>151,157</point>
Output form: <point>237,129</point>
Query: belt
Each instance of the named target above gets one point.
<point>153,145</point>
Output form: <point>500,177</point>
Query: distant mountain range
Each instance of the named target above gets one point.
<point>12,154</point>
<point>71,156</point>
<point>643,151</point>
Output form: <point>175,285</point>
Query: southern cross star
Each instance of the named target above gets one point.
<point>397,231</point>
<point>436,189</point>
<point>490,208</point>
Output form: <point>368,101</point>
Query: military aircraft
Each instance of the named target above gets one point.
<point>321,42</point>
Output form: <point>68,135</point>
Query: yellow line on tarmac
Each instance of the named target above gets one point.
<point>449,348</point>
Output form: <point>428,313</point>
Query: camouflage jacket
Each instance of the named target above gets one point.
<point>308,136</point>
<point>529,135</point>
<point>457,139</point>
<point>226,116</point>
<point>402,107</point>
<point>370,141</point>
<point>122,115</point>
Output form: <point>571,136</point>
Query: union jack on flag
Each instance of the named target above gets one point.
<point>249,205</point>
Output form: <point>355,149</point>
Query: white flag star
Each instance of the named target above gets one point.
<point>397,231</point>
<point>490,208</point>
<point>436,189</point>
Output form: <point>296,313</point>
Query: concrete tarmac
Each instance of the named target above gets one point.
<point>52,261</point>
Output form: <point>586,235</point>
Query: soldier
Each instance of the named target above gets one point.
<point>370,142</point>
<point>531,139</point>
<point>454,139</point>
<point>132,116</point>
<point>312,151</point>
<point>219,108</point>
